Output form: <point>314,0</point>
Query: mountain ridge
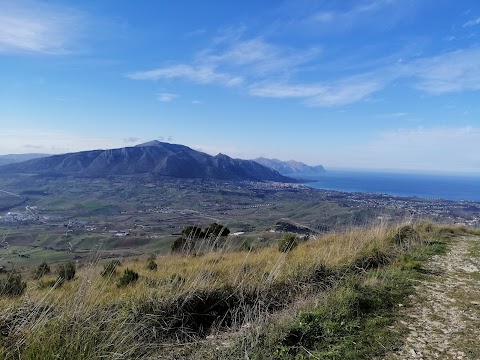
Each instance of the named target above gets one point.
<point>290,167</point>
<point>155,157</point>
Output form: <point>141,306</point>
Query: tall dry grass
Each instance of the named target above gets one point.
<point>188,297</point>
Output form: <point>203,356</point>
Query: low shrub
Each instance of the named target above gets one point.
<point>66,271</point>
<point>110,268</point>
<point>152,265</point>
<point>43,269</point>
<point>288,243</point>
<point>12,285</point>
<point>129,277</point>
<point>406,236</point>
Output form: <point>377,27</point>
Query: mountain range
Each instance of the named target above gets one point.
<point>154,157</point>
<point>291,167</point>
<point>14,158</point>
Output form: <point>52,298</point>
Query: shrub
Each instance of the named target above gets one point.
<point>128,277</point>
<point>110,268</point>
<point>193,232</point>
<point>406,236</point>
<point>43,269</point>
<point>12,286</point>
<point>183,245</point>
<point>152,265</point>
<point>66,271</point>
<point>288,242</point>
<point>215,230</point>
<point>48,284</point>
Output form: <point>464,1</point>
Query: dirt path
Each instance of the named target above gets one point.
<point>444,321</point>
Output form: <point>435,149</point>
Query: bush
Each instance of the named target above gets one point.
<point>288,242</point>
<point>215,230</point>
<point>66,271</point>
<point>183,245</point>
<point>12,286</point>
<point>43,269</point>
<point>110,268</point>
<point>406,236</point>
<point>128,277</point>
<point>152,265</point>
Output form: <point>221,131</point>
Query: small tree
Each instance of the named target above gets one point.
<point>214,230</point>
<point>128,277</point>
<point>12,285</point>
<point>288,242</point>
<point>110,268</point>
<point>66,271</point>
<point>193,232</point>
<point>43,269</point>
<point>183,245</point>
<point>152,265</point>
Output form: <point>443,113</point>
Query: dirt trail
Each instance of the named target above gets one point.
<point>444,321</point>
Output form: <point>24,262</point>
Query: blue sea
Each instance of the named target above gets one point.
<point>450,187</point>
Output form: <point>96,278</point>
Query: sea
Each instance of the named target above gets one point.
<point>450,187</point>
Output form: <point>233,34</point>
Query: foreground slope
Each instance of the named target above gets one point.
<point>157,158</point>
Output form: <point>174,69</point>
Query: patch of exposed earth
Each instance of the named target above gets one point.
<point>444,319</point>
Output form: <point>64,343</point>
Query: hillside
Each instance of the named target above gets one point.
<point>14,158</point>
<point>290,167</point>
<point>335,296</point>
<point>157,158</point>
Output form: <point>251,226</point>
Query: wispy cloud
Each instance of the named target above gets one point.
<point>344,91</point>
<point>369,13</point>
<point>256,56</point>
<point>472,22</point>
<point>166,97</point>
<point>202,74</point>
<point>450,72</point>
<point>34,27</point>
<point>131,139</point>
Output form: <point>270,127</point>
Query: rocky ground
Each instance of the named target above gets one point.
<point>444,319</point>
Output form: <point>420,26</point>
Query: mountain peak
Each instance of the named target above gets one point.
<point>153,157</point>
<point>151,143</point>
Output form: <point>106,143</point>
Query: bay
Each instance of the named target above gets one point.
<point>452,187</point>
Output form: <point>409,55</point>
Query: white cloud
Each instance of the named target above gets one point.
<point>166,97</point>
<point>34,27</point>
<point>472,22</point>
<point>342,92</point>
<point>202,74</point>
<point>257,56</point>
<point>372,13</point>
<point>450,72</point>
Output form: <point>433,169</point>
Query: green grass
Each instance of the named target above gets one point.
<point>335,297</point>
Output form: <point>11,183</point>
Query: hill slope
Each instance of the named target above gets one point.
<point>155,157</point>
<point>14,158</point>
<point>290,167</point>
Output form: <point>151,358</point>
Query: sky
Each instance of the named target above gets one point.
<point>364,84</point>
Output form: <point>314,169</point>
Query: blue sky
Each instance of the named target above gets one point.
<point>370,84</point>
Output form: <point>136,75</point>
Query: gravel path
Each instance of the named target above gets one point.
<point>444,321</point>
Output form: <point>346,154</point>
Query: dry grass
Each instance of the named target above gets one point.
<point>185,299</point>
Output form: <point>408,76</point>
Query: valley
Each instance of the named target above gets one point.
<point>65,218</point>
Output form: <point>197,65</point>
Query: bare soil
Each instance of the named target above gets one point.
<point>444,319</point>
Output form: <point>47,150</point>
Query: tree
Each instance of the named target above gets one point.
<point>43,269</point>
<point>193,232</point>
<point>288,242</point>
<point>66,271</point>
<point>215,230</point>
<point>183,245</point>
